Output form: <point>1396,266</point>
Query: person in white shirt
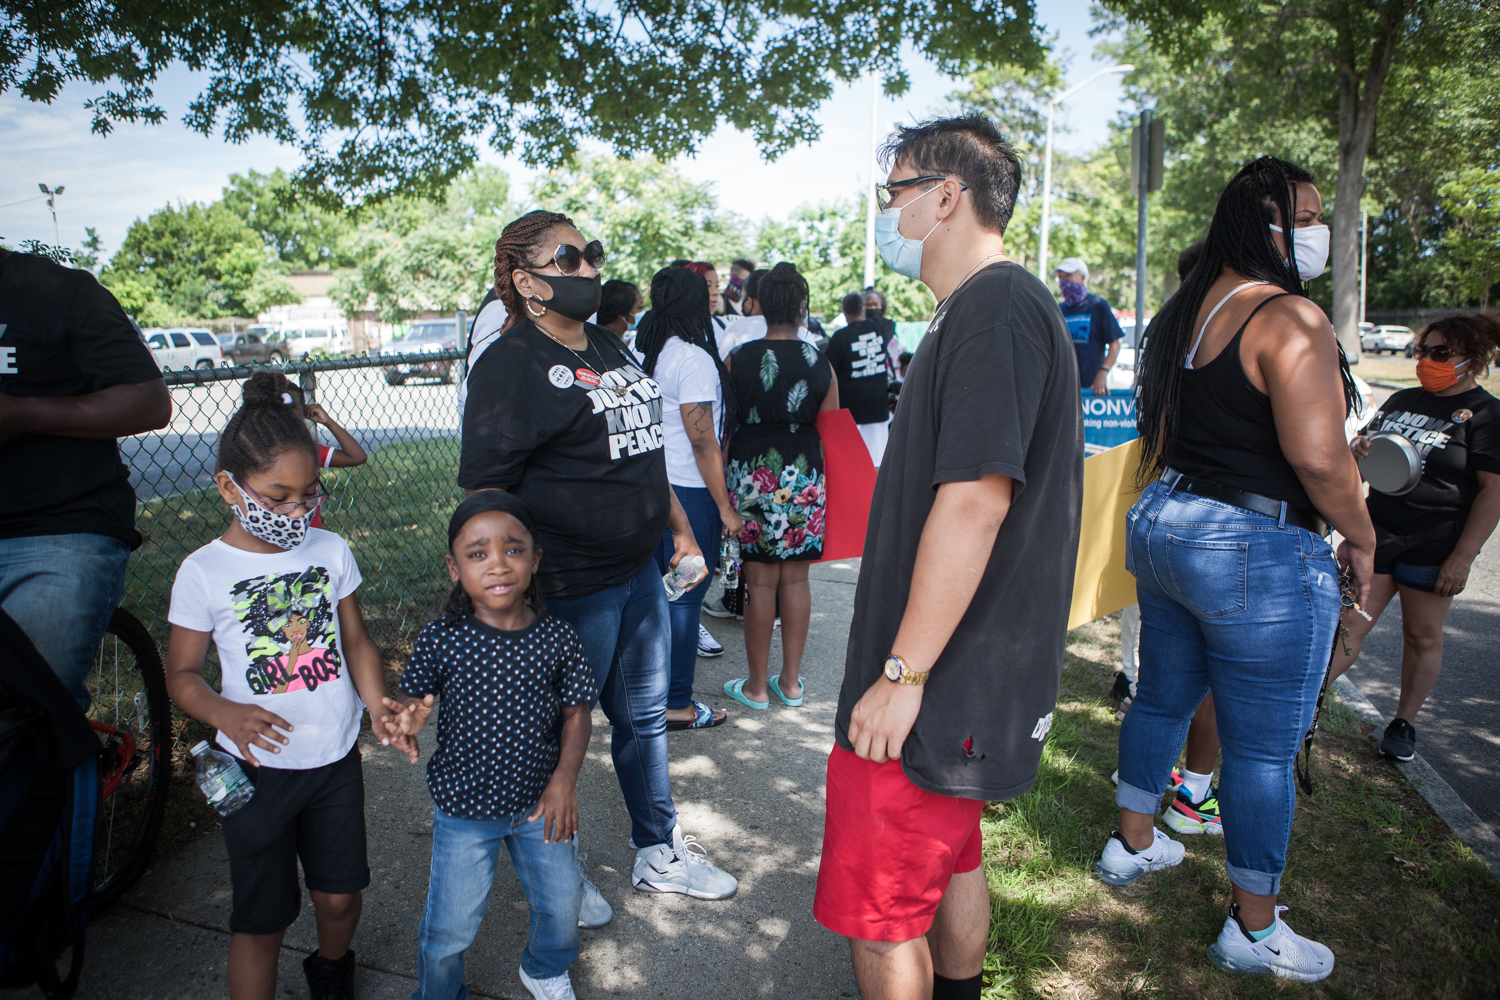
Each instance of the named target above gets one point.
<point>698,402</point>
<point>484,331</point>
<point>752,325</point>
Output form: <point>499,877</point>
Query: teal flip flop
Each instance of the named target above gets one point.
<point>775,685</point>
<point>736,690</point>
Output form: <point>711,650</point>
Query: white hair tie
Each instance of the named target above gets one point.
<point>286,398</point>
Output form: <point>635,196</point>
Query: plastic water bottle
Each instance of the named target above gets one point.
<point>729,564</point>
<point>687,575</point>
<point>222,780</point>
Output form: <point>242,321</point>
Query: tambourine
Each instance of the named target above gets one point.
<point>1393,466</point>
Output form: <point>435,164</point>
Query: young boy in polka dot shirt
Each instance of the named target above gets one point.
<point>516,688</point>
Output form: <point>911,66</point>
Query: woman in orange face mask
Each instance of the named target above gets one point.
<point>1428,536</point>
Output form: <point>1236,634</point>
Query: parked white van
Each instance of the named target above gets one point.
<point>326,337</point>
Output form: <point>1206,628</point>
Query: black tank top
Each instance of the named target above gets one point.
<point>1225,430</point>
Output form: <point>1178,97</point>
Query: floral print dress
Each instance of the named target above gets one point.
<point>775,468</point>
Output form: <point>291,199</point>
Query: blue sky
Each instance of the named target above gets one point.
<point>110,181</point>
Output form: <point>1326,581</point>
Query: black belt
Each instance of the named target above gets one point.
<point>1301,517</point>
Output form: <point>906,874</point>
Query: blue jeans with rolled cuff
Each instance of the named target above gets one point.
<point>624,630</point>
<point>703,515</point>
<point>62,590</point>
<point>1245,606</point>
<point>464,855</point>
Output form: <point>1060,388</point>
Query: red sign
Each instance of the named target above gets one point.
<point>586,376</point>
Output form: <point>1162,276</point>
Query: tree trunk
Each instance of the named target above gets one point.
<point>1359,96</point>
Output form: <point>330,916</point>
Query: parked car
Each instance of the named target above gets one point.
<point>252,348</point>
<point>306,339</point>
<point>426,337</point>
<point>1380,339</point>
<point>183,347</point>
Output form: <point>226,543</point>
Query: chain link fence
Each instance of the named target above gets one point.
<point>393,510</point>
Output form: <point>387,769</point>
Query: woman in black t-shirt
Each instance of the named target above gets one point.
<point>1428,537</point>
<point>560,414</point>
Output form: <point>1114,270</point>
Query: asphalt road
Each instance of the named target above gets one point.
<point>1458,730</point>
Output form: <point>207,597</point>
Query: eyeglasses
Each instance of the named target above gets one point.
<point>1437,352</point>
<point>569,258</point>
<point>886,193</point>
<point>312,503</point>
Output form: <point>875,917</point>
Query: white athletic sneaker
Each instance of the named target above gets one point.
<point>556,988</point>
<point>708,646</point>
<point>1283,952</point>
<point>1120,865</point>
<point>595,911</point>
<point>681,866</point>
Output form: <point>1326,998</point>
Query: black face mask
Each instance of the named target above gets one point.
<point>874,313</point>
<point>573,297</point>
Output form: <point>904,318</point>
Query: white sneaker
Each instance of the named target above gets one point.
<point>1283,952</point>
<point>681,866</point>
<point>1120,865</point>
<point>556,988</point>
<point>595,911</point>
<point>708,646</point>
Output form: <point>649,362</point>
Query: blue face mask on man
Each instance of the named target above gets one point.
<point>901,254</point>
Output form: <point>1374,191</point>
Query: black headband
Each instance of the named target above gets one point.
<point>486,500</point>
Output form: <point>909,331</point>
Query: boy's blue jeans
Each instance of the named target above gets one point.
<point>1240,604</point>
<point>464,855</point>
<point>703,516</point>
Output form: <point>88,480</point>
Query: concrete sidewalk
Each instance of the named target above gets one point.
<point>750,790</point>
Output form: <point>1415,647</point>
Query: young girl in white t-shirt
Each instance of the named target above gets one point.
<point>298,668</point>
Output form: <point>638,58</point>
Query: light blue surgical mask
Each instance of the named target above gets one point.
<point>901,254</point>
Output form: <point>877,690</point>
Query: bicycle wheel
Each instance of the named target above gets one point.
<point>133,717</point>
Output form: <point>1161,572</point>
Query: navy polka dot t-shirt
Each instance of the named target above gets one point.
<point>501,699</point>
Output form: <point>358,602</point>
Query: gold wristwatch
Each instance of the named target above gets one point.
<point>896,670</point>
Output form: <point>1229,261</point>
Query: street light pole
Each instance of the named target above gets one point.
<point>52,206</point>
<point>1047,162</point>
<point>870,194</point>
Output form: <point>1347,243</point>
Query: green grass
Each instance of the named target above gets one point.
<point>1424,926</point>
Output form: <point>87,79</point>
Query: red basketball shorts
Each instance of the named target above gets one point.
<point>889,850</point>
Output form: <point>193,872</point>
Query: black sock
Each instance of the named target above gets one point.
<point>944,988</point>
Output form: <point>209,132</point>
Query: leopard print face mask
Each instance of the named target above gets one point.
<point>280,530</point>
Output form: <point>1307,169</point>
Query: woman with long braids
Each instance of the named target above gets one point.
<point>676,342</point>
<point>561,415</point>
<point>1243,395</point>
<point>781,384</point>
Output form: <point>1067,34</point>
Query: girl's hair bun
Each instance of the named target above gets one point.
<point>270,389</point>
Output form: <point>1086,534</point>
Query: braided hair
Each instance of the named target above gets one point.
<point>268,423</point>
<point>782,294</point>
<point>679,308</point>
<point>514,250</point>
<point>1262,194</point>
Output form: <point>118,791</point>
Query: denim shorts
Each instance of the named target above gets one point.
<point>1422,578</point>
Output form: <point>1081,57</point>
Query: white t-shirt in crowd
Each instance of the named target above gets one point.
<point>274,617</point>
<point>748,328</point>
<point>686,374</point>
<point>486,331</point>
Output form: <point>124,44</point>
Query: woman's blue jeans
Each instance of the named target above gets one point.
<point>1245,606</point>
<point>703,515</point>
<point>625,634</point>
<point>464,854</point>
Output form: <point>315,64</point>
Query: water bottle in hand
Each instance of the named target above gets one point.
<point>222,780</point>
<point>685,577</point>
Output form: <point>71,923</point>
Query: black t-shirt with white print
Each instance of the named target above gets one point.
<point>1457,438</point>
<point>586,458</point>
<point>858,355</point>
<point>63,334</point>
<point>501,696</point>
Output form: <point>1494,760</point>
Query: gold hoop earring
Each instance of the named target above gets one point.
<point>529,300</point>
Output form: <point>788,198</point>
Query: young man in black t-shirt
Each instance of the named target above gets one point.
<point>857,352</point>
<point>966,578</point>
<point>74,376</point>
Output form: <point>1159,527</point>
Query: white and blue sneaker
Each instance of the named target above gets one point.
<point>595,911</point>
<point>708,646</point>
<point>1121,865</point>
<point>1283,952</point>
<point>681,866</point>
<point>556,988</point>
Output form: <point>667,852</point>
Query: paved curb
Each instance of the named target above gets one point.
<point>1454,811</point>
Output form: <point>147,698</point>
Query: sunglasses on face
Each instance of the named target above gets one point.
<point>886,193</point>
<point>1437,352</point>
<point>569,258</point>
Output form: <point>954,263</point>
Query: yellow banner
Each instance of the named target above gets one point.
<point>1100,584</point>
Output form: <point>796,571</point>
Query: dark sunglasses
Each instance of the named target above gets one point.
<point>886,193</point>
<point>569,258</point>
<point>1437,352</point>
